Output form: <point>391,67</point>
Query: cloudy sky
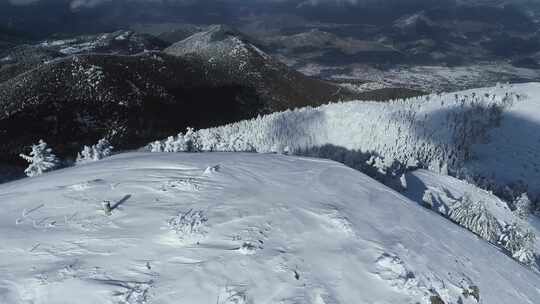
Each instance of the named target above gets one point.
<point>93,3</point>
<point>79,4</point>
<point>45,17</point>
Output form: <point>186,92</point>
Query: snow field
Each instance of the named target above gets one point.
<point>247,235</point>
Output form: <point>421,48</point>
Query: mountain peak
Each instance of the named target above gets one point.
<point>218,42</point>
<point>221,31</point>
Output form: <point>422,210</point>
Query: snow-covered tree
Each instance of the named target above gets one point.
<point>519,242</point>
<point>475,217</point>
<point>175,144</point>
<point>191,140</point>
<point>403,132</point>
<point>103,149</point>
<point>96,152</point>
<point>41,159</point>
<point>85,155</point>
<point>403,181</point>
<point>523,206</point>
<point>525,255</point>
<point>157,146</point>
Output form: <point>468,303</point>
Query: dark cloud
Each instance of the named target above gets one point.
<point>45,17</point>
<point>22,2</point>
<point>93,3</point>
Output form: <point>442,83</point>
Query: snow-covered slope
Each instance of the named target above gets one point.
<point>487,135</point>
<point>479,211</point>
<point>238,228</point>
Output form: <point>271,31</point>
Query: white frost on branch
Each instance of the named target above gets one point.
<point>96,152</point>
<point>415,131</point>
<point>41,159</point>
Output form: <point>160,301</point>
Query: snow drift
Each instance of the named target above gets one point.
<point>234,228</point>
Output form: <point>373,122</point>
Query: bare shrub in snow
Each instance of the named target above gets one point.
<point>41,159</point>
<point>233,295</point>
<point>189,226</point>
<point>96,152</point>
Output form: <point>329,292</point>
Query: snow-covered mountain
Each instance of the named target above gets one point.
<point>25,57</point>
<point>278,189</point>
<point>234,228</point>
<point>119,85</point>
<point>486,137</point>
<point>445,213</point>
<point>224,50</point>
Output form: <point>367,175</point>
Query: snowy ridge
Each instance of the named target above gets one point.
<point>122,42</point>
<point>243,234</point>
<point>464,134</point>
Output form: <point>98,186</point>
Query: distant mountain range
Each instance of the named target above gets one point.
<point>444,32</point>
<point>177,70</point>
<point>461,35</point>
<point>73,91</point>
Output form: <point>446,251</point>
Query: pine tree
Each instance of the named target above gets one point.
<point>175,144</point>
<point>156,146</point>
<point>96,152</point>
<point>475,217</point>
<point>191,140</point>
<point>41,159</point>
<point>85,155</point>
<point>102,149</point>
<point>523,206</point>
<point>519,242</point>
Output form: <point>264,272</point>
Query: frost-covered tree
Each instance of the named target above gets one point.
<point>96,152</point>
<point>175,144</point>
<point>157,146</point>
<point>523,206</point>
<point>103,149</point>
<point>403,132</point>
<point>519,242</point>
<point>475,217</point>
<point>85,155</point>
<point>41,159</point>
<point>191,140</point>
<point>403,181</point>
<point>525,255</point>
